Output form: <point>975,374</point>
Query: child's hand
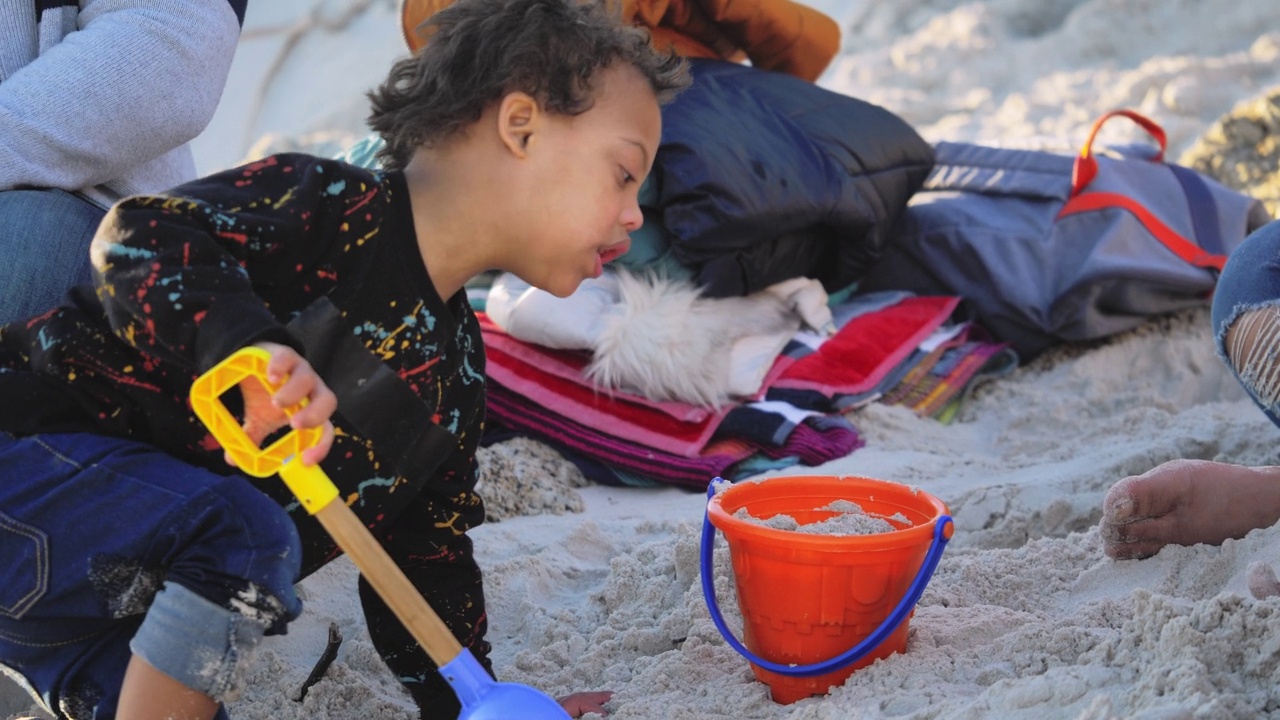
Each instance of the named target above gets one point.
<point>264,412</point>
<point>579,704</point>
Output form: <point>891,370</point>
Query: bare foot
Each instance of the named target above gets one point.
<point>1185,502</point>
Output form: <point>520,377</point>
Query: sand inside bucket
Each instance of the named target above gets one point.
<point>849,519</point>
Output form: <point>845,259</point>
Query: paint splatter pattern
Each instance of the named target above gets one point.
<point>228,260</point>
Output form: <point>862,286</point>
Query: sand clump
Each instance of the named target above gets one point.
<point>848,518</point>
<point>522,476</point>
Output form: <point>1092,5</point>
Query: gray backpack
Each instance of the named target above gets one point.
<point>1049,248</point>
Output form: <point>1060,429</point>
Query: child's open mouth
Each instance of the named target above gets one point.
<point>613,252</point>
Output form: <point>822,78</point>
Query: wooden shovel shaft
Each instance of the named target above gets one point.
<point>318,495</point>
<point>389,581</point>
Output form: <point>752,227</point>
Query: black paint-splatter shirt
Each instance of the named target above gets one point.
<point>314,253</point>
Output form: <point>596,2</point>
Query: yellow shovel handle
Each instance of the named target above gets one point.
<point>316,492</point>
<point>206,402</point>
<point>309,484</point>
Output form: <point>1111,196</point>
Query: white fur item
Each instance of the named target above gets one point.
<point>666,342</point>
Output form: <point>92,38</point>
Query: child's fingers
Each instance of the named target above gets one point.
<point>294,377</point>
<point>282,362</point>
<point>298,381</point>
<point>317,452</point>
<point>578,704</point>
<point>321,402</point>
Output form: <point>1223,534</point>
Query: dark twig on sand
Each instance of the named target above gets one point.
<point>326,659</point>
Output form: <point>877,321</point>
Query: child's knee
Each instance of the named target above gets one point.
<point>201,644</point>
<point>243,553</point>
<point>229,583</point>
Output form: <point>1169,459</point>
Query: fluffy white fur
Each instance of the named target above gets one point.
<point>668,343</point>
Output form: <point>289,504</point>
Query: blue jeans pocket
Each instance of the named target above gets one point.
<point>24,563</point>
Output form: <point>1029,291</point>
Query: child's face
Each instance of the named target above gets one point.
<point>583,183</point>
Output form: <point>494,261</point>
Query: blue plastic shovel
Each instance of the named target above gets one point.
<point>482,698</point>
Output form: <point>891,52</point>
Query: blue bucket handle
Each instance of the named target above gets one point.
<point>853,654</point>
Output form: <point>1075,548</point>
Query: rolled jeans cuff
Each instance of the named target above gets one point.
<point>196,642</point>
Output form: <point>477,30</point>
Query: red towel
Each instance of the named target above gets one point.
<point>868,347</point>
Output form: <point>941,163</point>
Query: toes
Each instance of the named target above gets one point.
<point>1127,534</point>
<point>1157,492</point>
<point>1118,524</point>
<point>1119,504</point>
<point>1262,582</point>
<point>1130,542</point>
<point>1140,512</point>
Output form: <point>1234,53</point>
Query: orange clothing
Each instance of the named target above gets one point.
<point>780,35</point>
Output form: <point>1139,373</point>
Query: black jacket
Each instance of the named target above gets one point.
<point>763,177</point>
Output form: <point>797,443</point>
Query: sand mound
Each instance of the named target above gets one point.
<point>1242,150</point>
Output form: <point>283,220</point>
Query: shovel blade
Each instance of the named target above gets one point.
<point>483,698</point>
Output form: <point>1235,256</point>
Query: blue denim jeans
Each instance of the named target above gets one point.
<point>110,547</point>
<point>1251,281</point>
<point>44,240</point>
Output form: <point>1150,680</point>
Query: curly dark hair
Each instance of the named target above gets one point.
<point>477,51</point>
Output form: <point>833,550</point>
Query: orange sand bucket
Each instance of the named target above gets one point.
<point>817,607</point>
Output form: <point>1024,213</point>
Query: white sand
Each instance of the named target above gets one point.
<point>1025,618</point>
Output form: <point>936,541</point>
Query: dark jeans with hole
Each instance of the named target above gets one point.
<point>1251,280</point>
<point>110,547</point>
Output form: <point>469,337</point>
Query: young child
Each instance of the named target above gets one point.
<point>138,570</point>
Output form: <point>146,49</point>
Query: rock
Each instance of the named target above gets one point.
<point>1242,150</point>
<point>525,477</point>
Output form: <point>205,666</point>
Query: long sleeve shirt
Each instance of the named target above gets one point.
<point>314,253</point>
<point>102,96</point>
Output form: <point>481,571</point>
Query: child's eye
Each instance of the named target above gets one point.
<point>627,177</point>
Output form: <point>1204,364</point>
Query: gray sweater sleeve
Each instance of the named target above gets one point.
<point>135,81</point>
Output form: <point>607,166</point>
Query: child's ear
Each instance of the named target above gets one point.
<point>518,116</point>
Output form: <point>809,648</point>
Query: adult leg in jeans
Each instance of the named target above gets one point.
<point>118,556</point>
<point>1185,502</point>
<point>44,240</point>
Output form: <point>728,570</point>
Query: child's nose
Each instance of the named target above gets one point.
<point>632,217</point>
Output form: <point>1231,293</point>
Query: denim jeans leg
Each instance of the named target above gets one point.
<point>106,542</point>
<point>44,240</point>
<point>1251,281</point>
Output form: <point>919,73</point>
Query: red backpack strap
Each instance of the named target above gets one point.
<point>1180,246</point>
<point>1086,166</point>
